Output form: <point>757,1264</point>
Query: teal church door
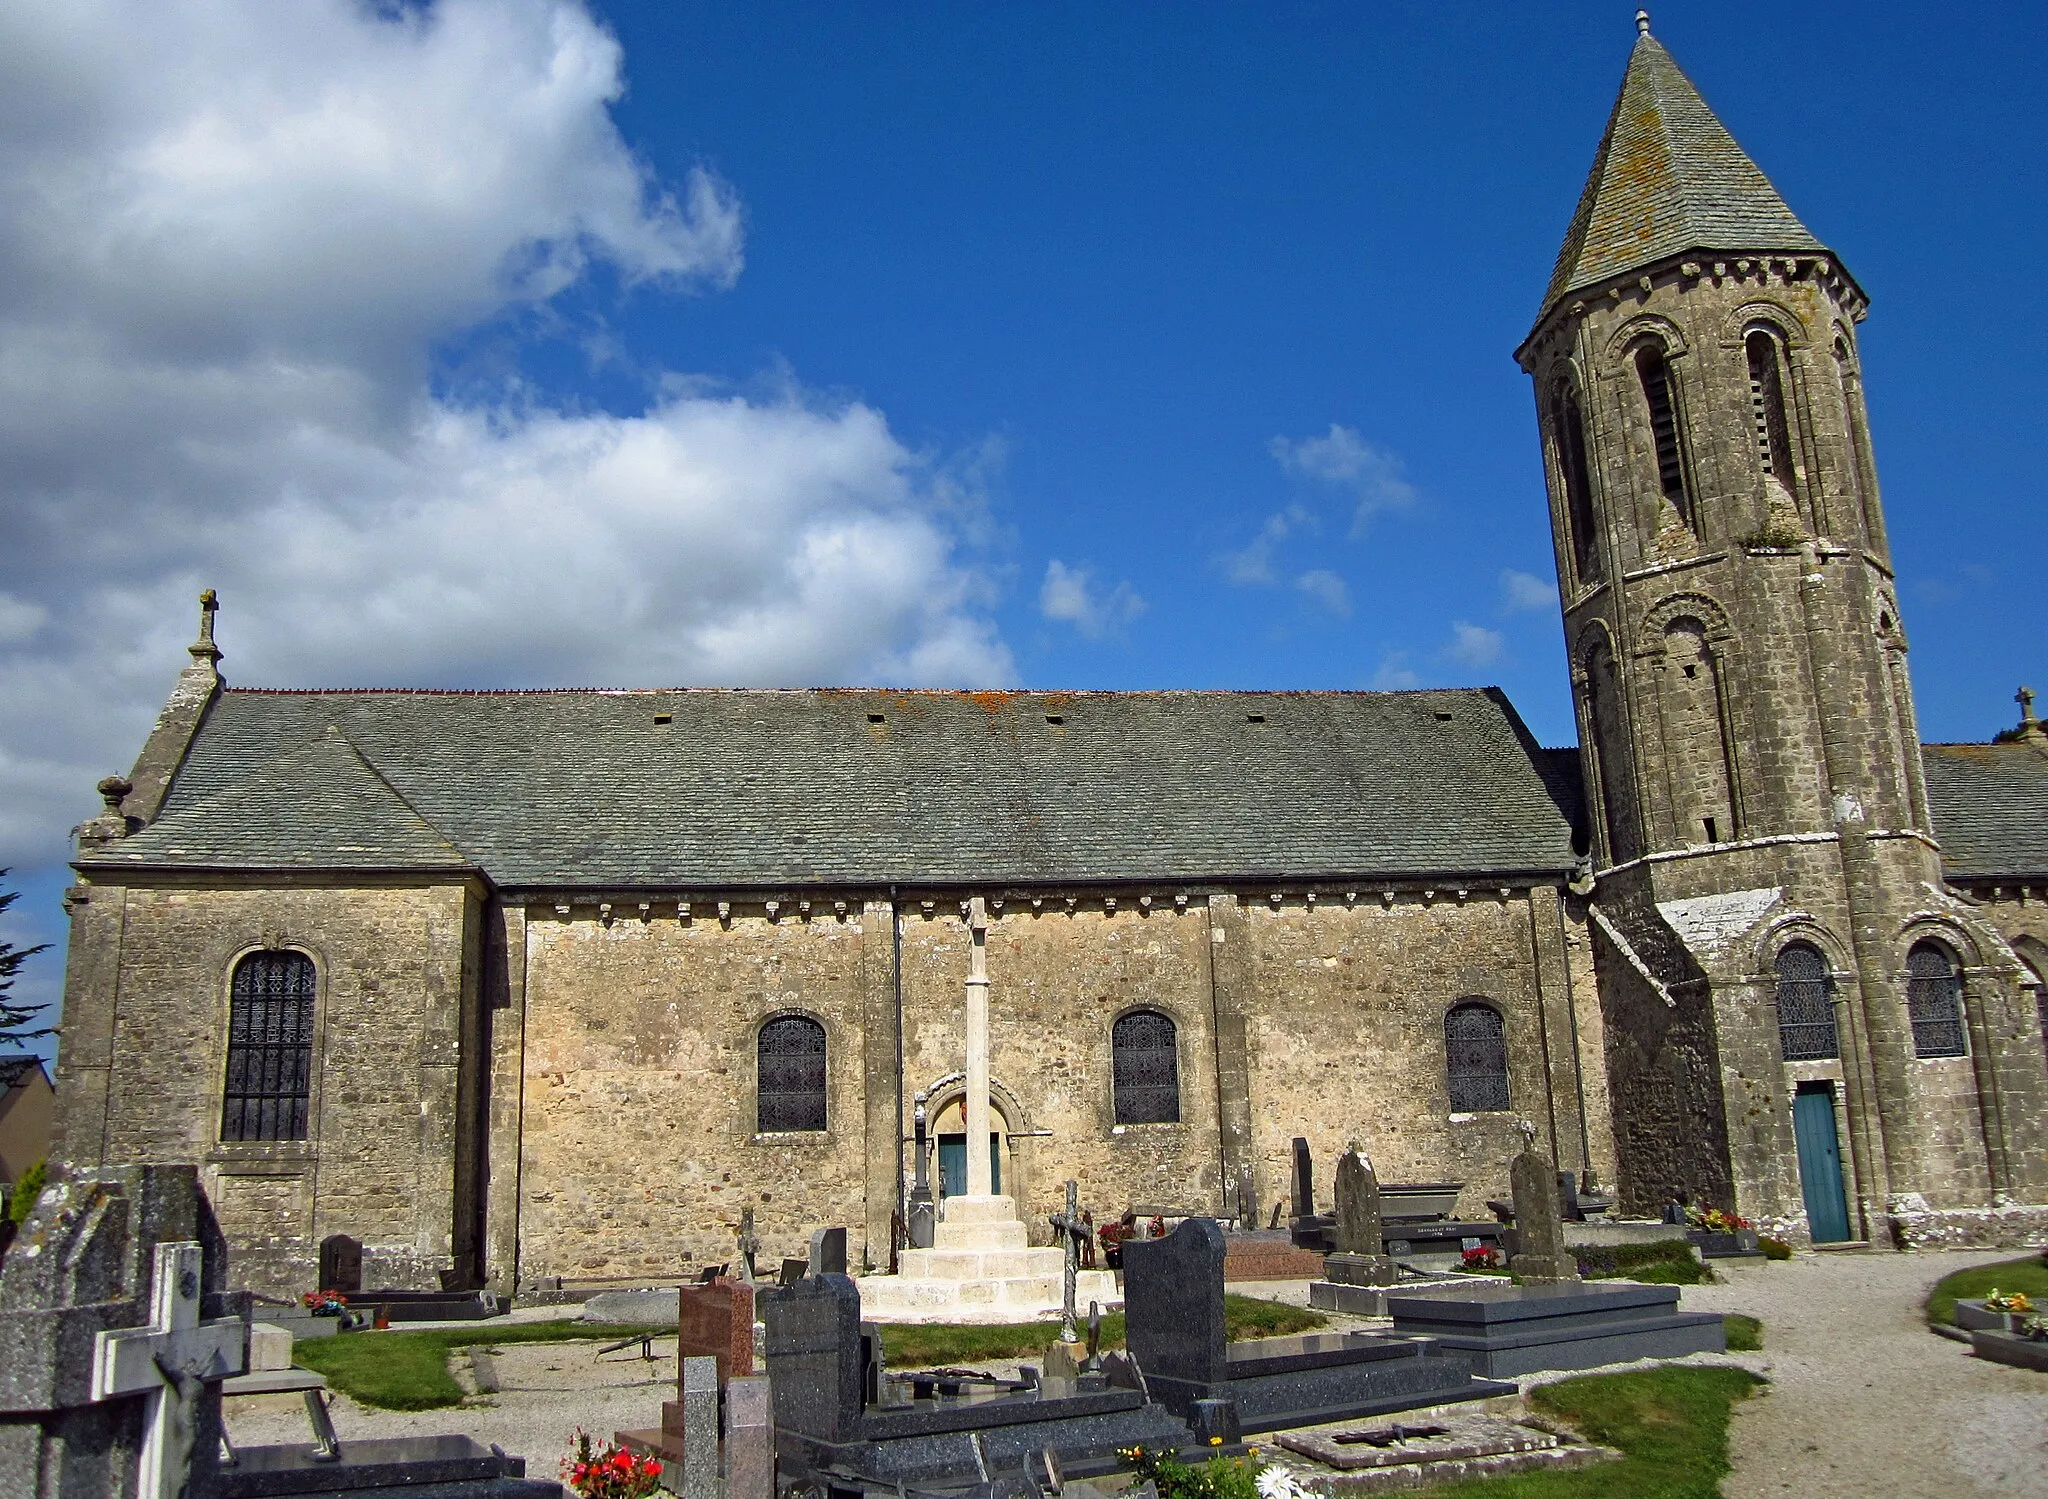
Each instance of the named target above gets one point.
<point>1820,1162</point>
<point>953,1164</point>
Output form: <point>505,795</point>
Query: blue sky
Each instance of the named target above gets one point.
<point>517,342</point>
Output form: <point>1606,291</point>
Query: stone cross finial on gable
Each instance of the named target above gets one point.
<point>168,1362</point>
<point>203,649</point>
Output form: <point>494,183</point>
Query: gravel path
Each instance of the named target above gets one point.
<point>1864,1401</point>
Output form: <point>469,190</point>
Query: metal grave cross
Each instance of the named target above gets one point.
<point>168,1362</point>
<point>1072,1231</point>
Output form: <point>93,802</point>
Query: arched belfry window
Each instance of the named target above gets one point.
<point>1654,371</point>
<point>1145,1069</point>
<point>790,1089</point>
<point>1806,1005</point>
<point>1767,405</point>
<point>1569,425</point>
<point>270,1047</point>
<point>1934,1001</point>
<point>1476,1057</point>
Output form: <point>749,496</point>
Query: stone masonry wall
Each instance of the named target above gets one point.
<point>145,1052</point>
<point>636,1140</point>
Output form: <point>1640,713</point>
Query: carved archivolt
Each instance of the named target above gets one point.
<point>1798,926</point>
<point>1773,316</point>
<point>1648,325</point>
<point>1712,617</point>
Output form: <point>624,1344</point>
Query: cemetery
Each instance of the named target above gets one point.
<point>127,1367</point>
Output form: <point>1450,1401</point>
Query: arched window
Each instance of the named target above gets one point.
<point>1476,1052</point>
<point>790,1091</point>
<point>1144,1069</point>
<point>270,1047</point>
<point>1655,375</point>
<point>1806,1005</point>
<point>1570,426</point>
<point>1767,405</point>
<point>1934,1001</point>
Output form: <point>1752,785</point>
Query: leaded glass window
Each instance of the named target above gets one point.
<point>1934,1001</point>
<point>270,1047</point>
<point>1145,1069</point>
<point>792,1076</point>
<point>1806,1005</point>
<point>1476,1048</point>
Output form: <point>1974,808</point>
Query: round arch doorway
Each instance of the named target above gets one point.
<point>1008,1170</point>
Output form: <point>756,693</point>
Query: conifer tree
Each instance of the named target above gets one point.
<point>15,1018</point>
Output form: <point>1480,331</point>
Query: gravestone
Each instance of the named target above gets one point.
<point>1308,1228</point>
<point>699,1388</point>
<point>828,1252</point>
<point>1542,1256</point>
<point>1360,1258</point>
<point>1175,1331</point>
<point>717,1321</point>
<point>115,1333</point>
<point>341,1264</point>
<point>814,1356</point>
<point>749,1438</point>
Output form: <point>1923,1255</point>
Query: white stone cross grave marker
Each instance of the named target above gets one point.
<point>167,1362</point>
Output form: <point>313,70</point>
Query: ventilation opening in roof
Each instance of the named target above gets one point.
<point>1055,718</point>
<point>1443,718</point>
<point>1255,718</point>
<point>877,718</point>
<point>664,718</point>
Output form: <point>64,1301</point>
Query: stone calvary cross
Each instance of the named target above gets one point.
<point>168,1362</point>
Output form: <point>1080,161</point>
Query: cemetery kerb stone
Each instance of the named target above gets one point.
<point>1174,1327</point>
<point>837,1416</point>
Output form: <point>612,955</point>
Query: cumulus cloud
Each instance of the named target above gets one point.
<point>1475,645</point>
<point>1394,674</point>
<point>1327,589</point>
<point>232,238</point>
<point>1070,595</point>
<point>1255,562</point>
<point>1522,593</point>
<point>1342,458</point>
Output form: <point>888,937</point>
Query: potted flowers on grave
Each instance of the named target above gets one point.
<point>608,1471</point>
<point>1720,1235</point>
<point>1481,1259</point>
<point>2015,1305</point>
<point>325,1303</point>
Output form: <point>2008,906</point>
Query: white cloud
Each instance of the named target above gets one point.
<point>1253,563</point>
<point>1394,674</point>
<point>1521,593</point>
<point>1343,458</point>
<point>1327,589</point>
<point>232,234</point>
<point>1475,645</point>
<point>1069,594</point>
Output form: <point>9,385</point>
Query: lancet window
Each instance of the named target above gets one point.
<point>270,1047</point>
<point>1806,1005</point>
<point>1934,1001</point>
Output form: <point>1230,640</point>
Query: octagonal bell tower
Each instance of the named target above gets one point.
<point>1751,764</point>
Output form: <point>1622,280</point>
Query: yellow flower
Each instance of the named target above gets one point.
<point>1215,1441</point>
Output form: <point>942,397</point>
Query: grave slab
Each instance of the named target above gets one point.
<point>457,1467</point>
<point>1509,1330</point>
<point>2010,1348</point>
<point>1173,1296</point>
<point>1433,1447</point>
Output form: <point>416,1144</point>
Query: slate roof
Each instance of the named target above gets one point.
<point>1990,806</point>
<point>864,787</point>
<point>1668,177</point>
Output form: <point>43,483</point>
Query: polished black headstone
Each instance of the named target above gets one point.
<point>1304,1179</point>
<point>828,1251</point>
<point>814,1355</point>
<point>1173,1302</point>
<point>341,1264</point>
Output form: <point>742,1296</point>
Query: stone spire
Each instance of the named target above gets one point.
<point>1668,178</point>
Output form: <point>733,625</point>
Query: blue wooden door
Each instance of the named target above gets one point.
<point>1820,1162</point>
<point>953,1164</point>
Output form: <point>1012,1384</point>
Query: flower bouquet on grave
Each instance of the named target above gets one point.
<point>325,1303</point>
<point>1480,1258</point>
<point>2033,1328</point>
<point>1714,1221</point>
<point>2015,1304</point>
<point>609,1472</point>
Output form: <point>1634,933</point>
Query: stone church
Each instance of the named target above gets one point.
<point>527,988</point>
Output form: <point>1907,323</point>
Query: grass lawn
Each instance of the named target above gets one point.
<point>2029,1275</point>
<point>911,1345</point>
<point>408,1371</point>
<point>1670,1425</point>
<point>1745,1334</point>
